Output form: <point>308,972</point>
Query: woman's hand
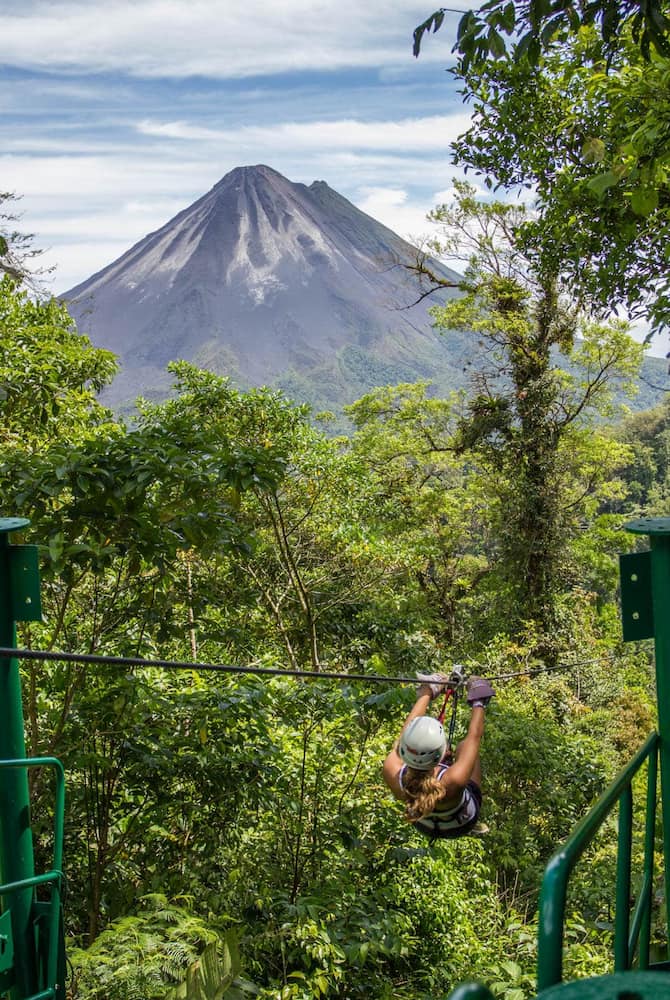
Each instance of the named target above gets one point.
<point>432,684</point>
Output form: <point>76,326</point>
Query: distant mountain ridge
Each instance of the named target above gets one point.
<point>269,282</point>
<point>277,283</point>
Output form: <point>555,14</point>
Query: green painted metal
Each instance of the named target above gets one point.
<point>25,583</point>
<point>471,991</point>
<point>619,986</point>
<point>36,969</point>
<point>637,613</point>
<point>641,926</point>
<point>6,953</point>
<point>623,868</point>
<point>555,882</point>
<point>51,961</point>
<point>658,531</point>
<point>16,844</point>
<point>53,972</point>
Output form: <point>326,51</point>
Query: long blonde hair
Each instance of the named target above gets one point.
<point>423,790</point>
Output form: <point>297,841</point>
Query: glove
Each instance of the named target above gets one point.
<point>479,693</point>
<point>436,683</point>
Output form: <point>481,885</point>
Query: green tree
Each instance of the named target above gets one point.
<point>580,120</point>
<point>526,417</point>
<point>49,374</point>
<point>647,473</point>
<point>536,26</point>
<point>592,147</point>
<point>430,502</point>
<point>314,565</point>
<point>310,565</point>
<point>163,950</point>
<point>116,512</point>
<point>258,805</point>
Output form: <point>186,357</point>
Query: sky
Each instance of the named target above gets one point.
<point>115,116</point>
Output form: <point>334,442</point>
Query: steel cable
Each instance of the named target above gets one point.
<point>226,668</point>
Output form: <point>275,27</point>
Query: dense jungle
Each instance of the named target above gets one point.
<point>230,835</point>
<point>241,822</point>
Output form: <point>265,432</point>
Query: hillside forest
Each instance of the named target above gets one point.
<point>229,835</point>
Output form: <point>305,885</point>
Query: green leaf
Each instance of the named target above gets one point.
<point>644,201</point>
<point>601,182</point>
<point>496,43</point>
<point>56,544</point>
<point>512,969</point>
<point>593,150</point>
<point>433,22</point>
<point>508,18</point>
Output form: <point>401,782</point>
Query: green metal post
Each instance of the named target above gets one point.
<point>648,876</point>
<point>658,530</point>
<point>16,843</point>
<point>622,924</point>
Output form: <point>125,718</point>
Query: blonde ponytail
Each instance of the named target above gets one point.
<point>423,791</point>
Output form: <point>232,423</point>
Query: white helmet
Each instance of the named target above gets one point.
<point>423,743</point>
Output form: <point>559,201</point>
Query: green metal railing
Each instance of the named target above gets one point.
<point>49,974</point>
<point>631,935</point>
<point>627,934</point>
<point>19,601</point>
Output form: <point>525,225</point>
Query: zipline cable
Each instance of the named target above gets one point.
<point>224,668</point>
<point>543,670</point>
<point>227,668</point>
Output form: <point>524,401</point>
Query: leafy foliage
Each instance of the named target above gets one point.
<point>535,26</point>
<point>49,374</point>
<point>141,957</point>
<point>524,422</point>
<point>576,116</point>
<point>228,836</point>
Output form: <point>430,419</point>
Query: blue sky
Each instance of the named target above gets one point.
<point>116,116</point>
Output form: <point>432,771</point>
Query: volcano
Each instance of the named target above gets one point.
<point>271,283</point>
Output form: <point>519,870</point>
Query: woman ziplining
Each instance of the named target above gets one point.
<point>441,791</point>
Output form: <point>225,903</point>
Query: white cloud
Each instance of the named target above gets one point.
<point>397,209</point>
<point>103,159</point>
<point>68,162</point>
<point>380,196</point>
<point>444,197</point>
<point>125,222</point>
<point>178,130</point>
<point>91,179</point>
<point>411,135</point>
<point>87,210</point>
<point>216,38</point>
<point>74,262</point>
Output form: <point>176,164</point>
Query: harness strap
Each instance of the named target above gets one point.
<point>443,711</point>
<point>451,693</point>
